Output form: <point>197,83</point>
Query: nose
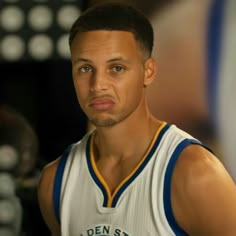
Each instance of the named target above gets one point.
<point>99,82</point>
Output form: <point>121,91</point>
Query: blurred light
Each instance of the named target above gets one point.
<point>7,211</point>
<point>6,231</point>
<point>8,157</point>
<point>21,21</point>
<point>12,48</point>
<point>40,18</point>
<point>7,185</point>
<point>67,15</point>
<point>40,47</point>
<point>63,46</point>
<point>12,18</point>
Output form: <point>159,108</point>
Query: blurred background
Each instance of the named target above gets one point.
<point>37,94</point>
<point>35,83</point>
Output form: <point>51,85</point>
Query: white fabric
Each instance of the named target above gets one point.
<point>139,210</point>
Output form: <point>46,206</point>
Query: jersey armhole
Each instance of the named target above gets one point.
<point>167,185</point>
<point>58,183</point>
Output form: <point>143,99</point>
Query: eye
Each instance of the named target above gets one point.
<point>85,69</point>
<point>118,69</point>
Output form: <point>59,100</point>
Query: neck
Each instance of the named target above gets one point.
<point>127,139</point>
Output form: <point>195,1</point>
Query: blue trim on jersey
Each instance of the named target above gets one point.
<point>58,182</point>
<point>167,186</point>
<point>214,41</point>
<point>131,179</point>
<point>93,174</point>
<point>140,169</point>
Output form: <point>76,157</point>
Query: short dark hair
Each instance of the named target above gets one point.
<point>115,16</point>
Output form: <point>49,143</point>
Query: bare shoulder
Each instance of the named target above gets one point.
<point>48,173</point>
<point>203,194</point>
<point>45,196</point>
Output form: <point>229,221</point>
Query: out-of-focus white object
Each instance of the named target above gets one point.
<point>12,18</point>
<point>67,15</point>
<point>6,231</point>
<point>40,18</point>
<point>10,215</point>
<point>7,211</point>
<point>12,47</point>
<point>225,95</point>
<point>8,157</point>
<point>40,47</point>
<point>7,185</point>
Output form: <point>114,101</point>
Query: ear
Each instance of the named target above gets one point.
<point>150,71</point>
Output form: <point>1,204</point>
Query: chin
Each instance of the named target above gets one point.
<point>103,122</point>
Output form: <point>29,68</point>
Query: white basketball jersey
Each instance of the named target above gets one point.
<point>140,205</point>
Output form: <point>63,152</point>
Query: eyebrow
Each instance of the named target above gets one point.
<point>118,59</point>
<point>77,60</point>
<point>115,59</point>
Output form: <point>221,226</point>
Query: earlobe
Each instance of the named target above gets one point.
<point>150,71</point>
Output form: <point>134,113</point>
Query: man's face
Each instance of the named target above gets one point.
<point>108,72</point>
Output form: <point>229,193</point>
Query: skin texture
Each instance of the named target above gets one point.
<point>111,75</point>
<point>102,83</point>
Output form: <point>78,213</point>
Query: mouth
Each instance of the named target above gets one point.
<point>102,104</point>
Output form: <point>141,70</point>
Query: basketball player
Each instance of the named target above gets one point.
<point>133,174</point>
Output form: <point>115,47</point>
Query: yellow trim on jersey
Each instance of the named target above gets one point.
<point>102,180</point>
<point>100,177</point>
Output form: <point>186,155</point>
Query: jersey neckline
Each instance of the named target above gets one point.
<point>110,200</point>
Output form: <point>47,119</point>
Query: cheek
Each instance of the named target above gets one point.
<point>81,90</point>
<point>133,91</point>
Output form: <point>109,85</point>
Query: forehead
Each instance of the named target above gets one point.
<point>103,42</point>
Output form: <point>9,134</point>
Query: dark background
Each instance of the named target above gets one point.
<point>43,92</point>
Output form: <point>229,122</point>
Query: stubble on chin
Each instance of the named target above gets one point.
<point>103,123</point>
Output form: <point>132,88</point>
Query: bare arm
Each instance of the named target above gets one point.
<point>203,194</point>
<point>45,197</point>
